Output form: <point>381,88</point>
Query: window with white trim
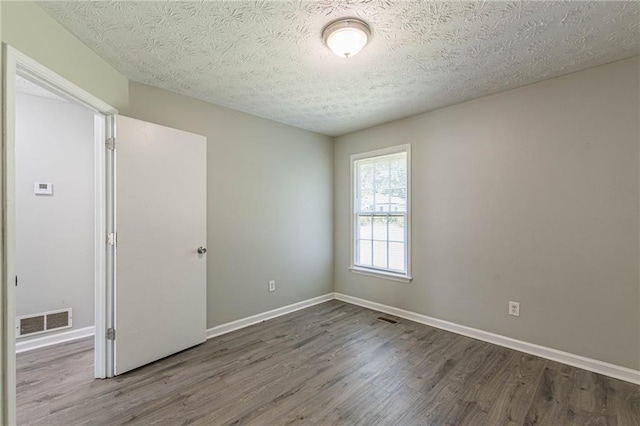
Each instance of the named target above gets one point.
<point>381,212</point>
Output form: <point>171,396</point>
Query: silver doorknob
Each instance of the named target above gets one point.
<point>202,250</point>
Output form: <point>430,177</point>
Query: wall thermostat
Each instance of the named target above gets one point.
<point>43,188</point>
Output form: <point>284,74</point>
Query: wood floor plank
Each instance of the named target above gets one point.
<point>588,403</point>
<point>552,397</point>
<point>515,397</point>
<point>478,398</point>
<point>330,364</point>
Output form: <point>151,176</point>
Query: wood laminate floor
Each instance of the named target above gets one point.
<point>333,363</point>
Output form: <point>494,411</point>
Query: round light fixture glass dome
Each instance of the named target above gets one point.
<point>346,37</point>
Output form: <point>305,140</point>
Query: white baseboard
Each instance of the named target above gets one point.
<point>254,319</point>
<point>53,339</point>
<point>600,367</point>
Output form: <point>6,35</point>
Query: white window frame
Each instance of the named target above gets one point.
<point>365,270</point>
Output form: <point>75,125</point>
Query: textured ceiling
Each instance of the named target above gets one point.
<point>267,57</point>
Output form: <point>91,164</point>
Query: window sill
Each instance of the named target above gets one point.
<point>380,274</point>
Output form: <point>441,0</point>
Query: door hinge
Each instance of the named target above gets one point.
<point>111,333</point>
<point>111,143</point>
<point>112,239</point>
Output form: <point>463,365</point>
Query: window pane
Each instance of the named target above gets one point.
<point>380,228</point>
<point>365,227</point>
<point>382,199</point>
<point>365,175</point>
<point>381,175</point>
<point>382,208</point>
<point>364,253</point>
<point>396,228</point>
<point>380,254</point>
<point>398,171</point>
<point>396,256</point>
<point>366,200</point>
<point>398,200</point>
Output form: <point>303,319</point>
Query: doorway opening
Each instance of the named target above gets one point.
<point>55,257</point>
<point>54,236</point>
<point>54,196</point>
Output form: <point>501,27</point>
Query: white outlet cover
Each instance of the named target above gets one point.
<point>514,309</point>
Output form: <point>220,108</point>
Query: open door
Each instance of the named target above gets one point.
<point>160,262</point>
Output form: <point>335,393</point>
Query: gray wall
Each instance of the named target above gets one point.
<point>269,204</point>
<point>54,234</point>
<point>528,195</point>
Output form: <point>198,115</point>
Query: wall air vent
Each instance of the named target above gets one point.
<point>387,320</point>
<point>28,325</point>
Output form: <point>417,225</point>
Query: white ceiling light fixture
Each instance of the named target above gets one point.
<point>346,37</point>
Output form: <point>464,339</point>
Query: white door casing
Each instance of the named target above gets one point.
<point>160,211</point>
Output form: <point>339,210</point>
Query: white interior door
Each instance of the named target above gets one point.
<point>160,221</point>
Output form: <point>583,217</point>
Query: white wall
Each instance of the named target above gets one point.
<point>54,234</point>
<point>528,195</point>
<point>269,204</point>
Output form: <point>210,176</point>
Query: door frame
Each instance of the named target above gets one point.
<point>17,63</point>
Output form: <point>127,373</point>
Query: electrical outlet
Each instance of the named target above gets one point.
<point>272,285</point>
<point>514,309</point>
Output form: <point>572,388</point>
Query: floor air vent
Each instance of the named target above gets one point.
<point>28,325</point>
<point>387,320</point>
